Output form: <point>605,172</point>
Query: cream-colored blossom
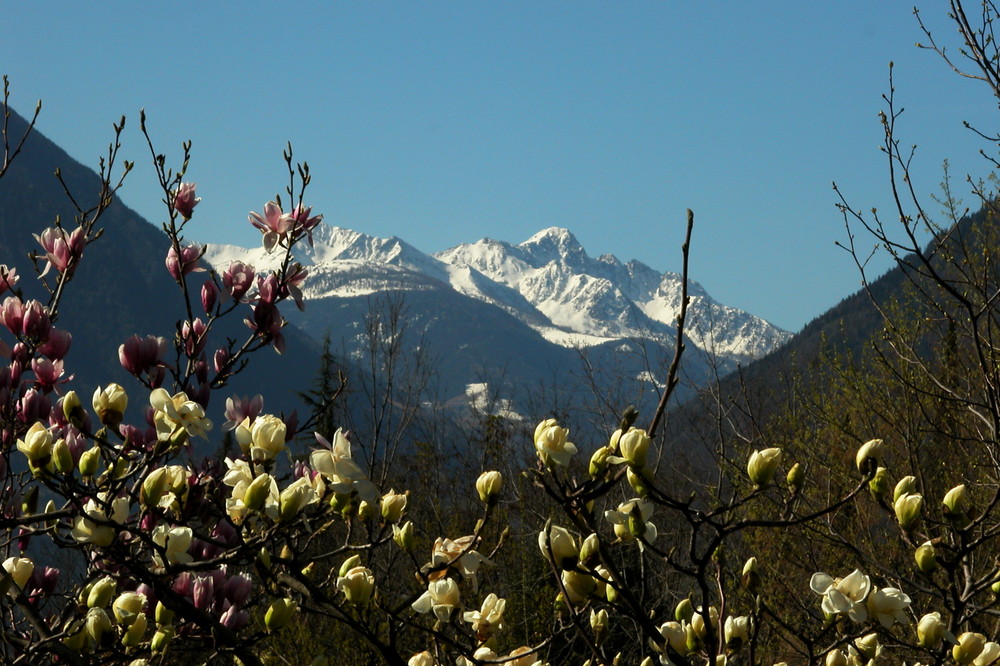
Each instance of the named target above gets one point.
<point>888,605</point>
<point>843,595</point>
<point>442,597</point>
<point>488,618</point>
<point>551,444</point>
<point>631,520</point>
<point>175,541</point>
<point>176,413</point>
<point>335,462</point>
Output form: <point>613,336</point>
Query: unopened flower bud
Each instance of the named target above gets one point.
<point>73,409</point>
<point>869,454</point>
<point>599,624</point>
<point>590,551</point>
<point>751,578</point>
<point>89,461</point>
<point>956,505</point>
<point>109,404</point>
<point>366,510</point>
<point>164,634</point>
<point>403,536</point>
<point>926,557</point>
<point>256,494</point>
<point>279,614</point>
<point>98,625</point>
<point>164,616</point>
<point>636,481</point>
<point>879,484</point>
<point>835,657</point>
<point>930,630</point>
<point>348,564</point>
<point>136,631</point>
<point>684,611</point>
<point>101,592</point>
<point>634,446</point>
<point>153,487</point>
<point>762,466</point>
<point>556,542</point>
<point>357,584</point>
<point>393,506</point>
<point>969,646</point>
<point>868,645</point>
<point>905,486</point>
<point>908,509</point>
<point>795,478</point>
<point>62,457</point>
<point>599,461</point>
<point>488,486</point>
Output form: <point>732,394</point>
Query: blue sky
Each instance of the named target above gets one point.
<point>445,122</point>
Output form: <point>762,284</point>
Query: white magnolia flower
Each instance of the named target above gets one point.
<point>487,619</point>
<point>631,520</point>
<point>888,606</point>
<point>460,555</point>
<point>19,569</point>
<point>175,541</point>
<point>95,526</point>
<point>178,412</point>
<point>442,597</point>
<point>843,595</point>
<point>334,461</point>
<point>551,444</point>
<point>989,655</point>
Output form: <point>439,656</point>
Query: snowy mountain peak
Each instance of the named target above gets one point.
<point>554,244</point>
<point>548,282</point>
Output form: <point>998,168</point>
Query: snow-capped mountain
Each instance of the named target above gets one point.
<point>548,282</point>
<point>605,299</point>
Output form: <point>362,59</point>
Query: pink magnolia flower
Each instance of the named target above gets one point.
<point>185,199</point>
<point>268,322</point>
<point>305,222</point>
<point>193,335</point>
<point>57,344</point>
<point>293,284</point>
<point>186,262</point>
<point>36,323</point>
<point>62,250</point>
<point>8,278</point>
<point>274,224</point>
<point>12,314</point>
<point>242,408</point>
<point>33,406</point>
<point>47,373</point>
<point>144,356</point>
<point>237,279</point>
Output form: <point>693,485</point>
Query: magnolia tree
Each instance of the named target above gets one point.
<point>119,549</point>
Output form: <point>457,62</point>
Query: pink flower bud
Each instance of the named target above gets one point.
<point>185,199</point>
<point>219,359</point>
<point>36,323</point>
<point>12,314</point>
<point>209,293</point>
<point>57,344</point>
<point>183,584</point>
<point>234,619</point>
<point>33,407</point>
<point>237,589</point>
<point>184,263</point>
<point>203,592</point>
<point>141,355</point>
